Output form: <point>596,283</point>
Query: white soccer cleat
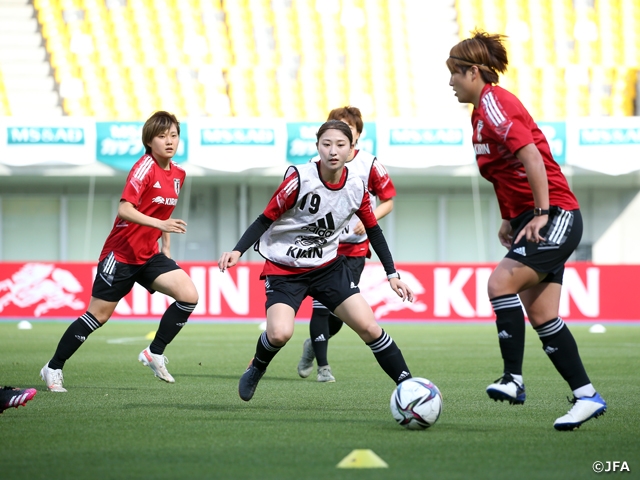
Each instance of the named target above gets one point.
<point>53,378</point>
<point>506,388</point>
<point>305,366</point>
<point>325,375</point>
<point>156,363</point>
<point>584,408</point>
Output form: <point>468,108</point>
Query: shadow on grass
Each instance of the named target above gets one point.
<point>267,377</point>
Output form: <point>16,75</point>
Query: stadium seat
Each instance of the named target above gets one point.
<point>4,103</point>
<point>297,59</point>
<point>581,65</point>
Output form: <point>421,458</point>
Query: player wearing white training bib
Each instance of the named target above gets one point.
<point>307,236</point>
<point>354,245</point>
<point>299,211</point>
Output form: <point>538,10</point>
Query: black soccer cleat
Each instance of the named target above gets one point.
<point>249,381</point>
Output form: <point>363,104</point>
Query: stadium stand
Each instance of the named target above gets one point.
<point>121,59</point>
<point>26,81</point>
<point>568,57</point>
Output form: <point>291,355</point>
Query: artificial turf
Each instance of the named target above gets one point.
<point>118,421</point>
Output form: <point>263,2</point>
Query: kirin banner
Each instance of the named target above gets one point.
<point>443,292</point>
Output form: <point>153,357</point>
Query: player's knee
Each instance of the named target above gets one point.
<point>279,337</point>
<point>370,332</point>
<point>192,298</point>
<point>495,286</point>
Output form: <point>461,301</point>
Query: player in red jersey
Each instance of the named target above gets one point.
<point>131,253</point>
<point>541,226</point>
<point>298,235</point>
<point>354,245</point>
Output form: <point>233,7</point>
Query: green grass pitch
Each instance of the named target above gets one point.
<point>119,422</point>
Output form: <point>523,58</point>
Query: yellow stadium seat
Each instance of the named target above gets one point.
<point>298,59</point>
<point>5,110</point>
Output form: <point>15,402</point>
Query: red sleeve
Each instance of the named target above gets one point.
<point>138,181</point>
<point>508,118</point>
<point>365,212</point>
<point>380,183</point>
<point>284,198</point>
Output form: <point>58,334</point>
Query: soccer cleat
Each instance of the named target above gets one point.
<point>506,388</point>
<point>305,366</point>
<point>584,408</point>
<point>324,374</point>
<point>53,378</point>
<point>14,397</point>
<point>156,363</point>
<point>249,381</point>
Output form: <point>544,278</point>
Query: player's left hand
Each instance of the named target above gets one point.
<point>532,229</point>
<point>228,260</point>
<point>359,229</point>
<point>402,289</point>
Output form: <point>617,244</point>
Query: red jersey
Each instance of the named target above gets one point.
<point>285,198</point>
<point>379,184</point>
<point>154,192</point>
<point>502,126</point>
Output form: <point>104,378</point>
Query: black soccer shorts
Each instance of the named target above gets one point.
<point>331,285</point>
<point>355,266</point>
<point>562,234</point>
<point>114,279</point>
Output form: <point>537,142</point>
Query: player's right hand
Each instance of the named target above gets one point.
<point>505,234</point>
<point>228,260</point>
<point>173,225</point>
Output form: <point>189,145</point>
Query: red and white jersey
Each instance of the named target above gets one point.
<point>154,192</point>
<point>379,184</point>
<point>309,215</point>
<point>501,127</point>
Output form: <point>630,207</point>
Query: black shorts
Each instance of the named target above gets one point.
<point>114,280</point>
<point>331,285</point>
<point>355,266</point>
<point>562,234</point>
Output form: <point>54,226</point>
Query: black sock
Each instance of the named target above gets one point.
<point>265,351</point>
<point>558,343</point>
<point>319,332</point>
<point>170,325</point>
<point>335,324</point>
<point>390,358</point>
<point>511,329</point>
<point>72,338</point>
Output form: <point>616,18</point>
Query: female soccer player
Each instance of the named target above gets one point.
<point>541,226</point>
<point>131,254</point>
<point>354,245</point>
<point>298,236</point>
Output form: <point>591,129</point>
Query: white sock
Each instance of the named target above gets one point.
<point>586,391</point>
<point>517,378</point>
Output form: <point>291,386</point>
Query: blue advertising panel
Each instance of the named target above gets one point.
<point>119,144</point>
<point>556,134</point>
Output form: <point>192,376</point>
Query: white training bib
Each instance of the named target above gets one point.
<point>307,234</point>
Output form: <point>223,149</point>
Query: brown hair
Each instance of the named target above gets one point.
<point>157,123</point>
<point>335,125</point>
<point>484,50</point>
<point>349,114</point>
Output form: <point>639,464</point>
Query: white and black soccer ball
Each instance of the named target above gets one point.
<point>416,403</point>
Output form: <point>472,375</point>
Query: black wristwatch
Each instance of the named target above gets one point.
<point>537,212</point>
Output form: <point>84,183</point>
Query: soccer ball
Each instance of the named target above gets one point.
<point>416,403</point>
